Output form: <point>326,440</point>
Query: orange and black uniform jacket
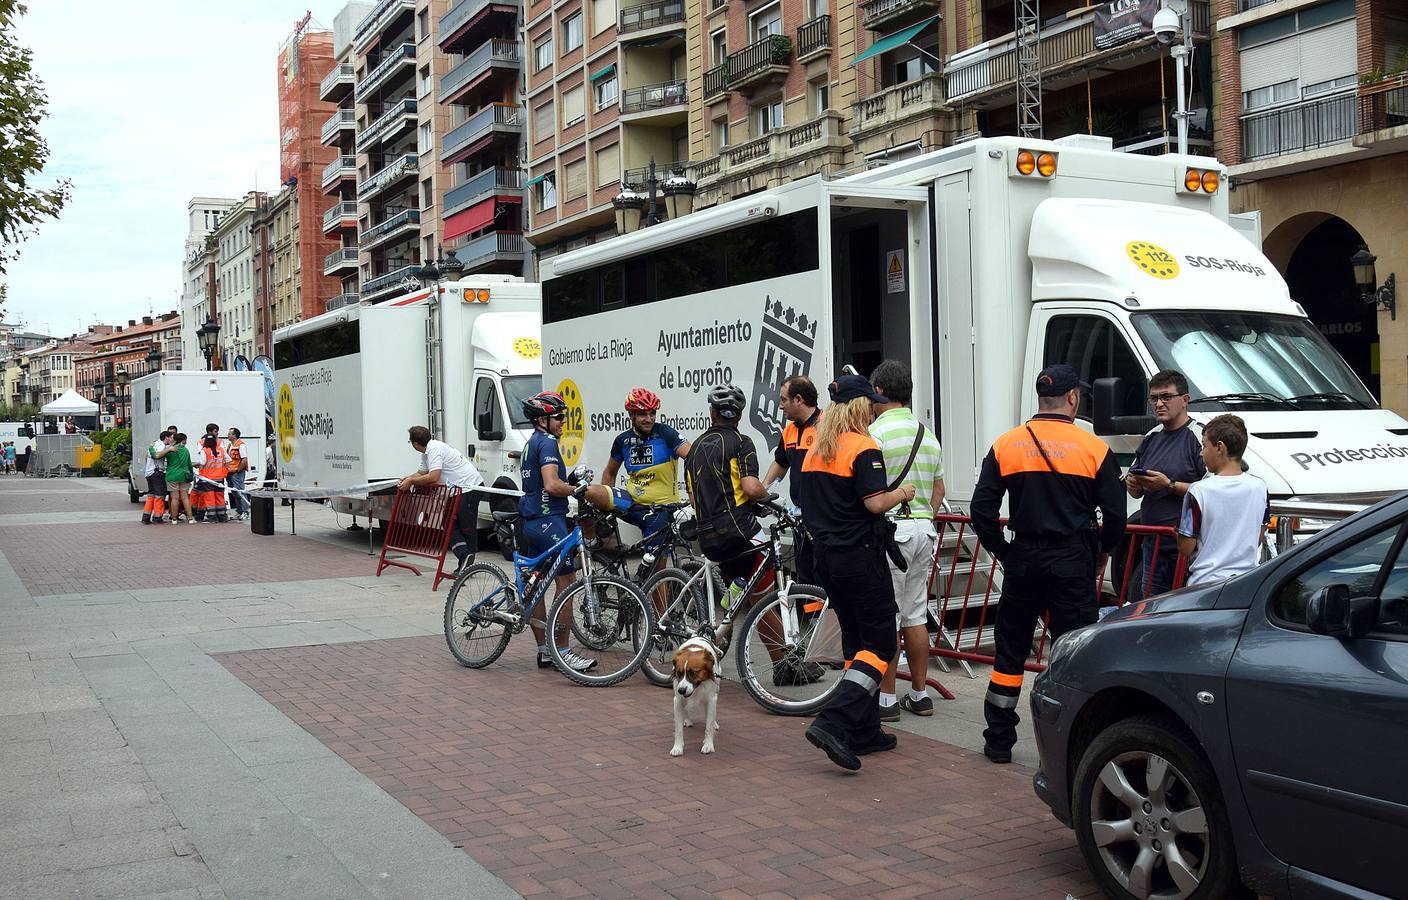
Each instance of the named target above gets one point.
<point>833,493</point>
<point>792,449</point>
<point>1043,504</point>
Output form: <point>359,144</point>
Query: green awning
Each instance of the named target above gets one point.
<point>533,181</point>
<point>609,70</point>
<point>891,41</point>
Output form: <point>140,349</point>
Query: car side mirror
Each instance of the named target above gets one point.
<point>1107,403</point>
<point>1332,611</point>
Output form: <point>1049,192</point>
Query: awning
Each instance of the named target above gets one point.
<point>891,41</point>
<point>533,181</point>
<point>472,219</point>
<point>609,70</point>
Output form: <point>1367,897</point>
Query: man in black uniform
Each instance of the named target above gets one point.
<point>1055,475</point>
<point>798,398</point>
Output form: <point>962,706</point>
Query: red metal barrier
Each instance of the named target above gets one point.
<point>421,518</point>
<point>965,580</point>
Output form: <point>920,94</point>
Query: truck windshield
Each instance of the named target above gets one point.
<point>518,388</point>
<point>1238,361</point>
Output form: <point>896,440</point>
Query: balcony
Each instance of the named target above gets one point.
<point>399,269</point>
<point>338,169</point>
<point>453,23</point>
<point>496,246</point>
<point>814,38</point>
<point>716,81</point>
<point>982,74</point>
<point>390,175</point>
<point>1383,113</point>
<point>404,221</point>
<point>497,118</point>
<point>383,15</point>
<point>341,300</point>
<point>655,14</point>
<point>497,180</point>
<point>342,119</point>
<point>338,83</point>
<point>780,150</point>
<point>885,14</point>
<point>763,61</point>
<point>653,98</point>
<point>1302,126</point>
<point>493,55</point>
<point>1160,144</point>
<point>893,106</point>
<point>394,61</point>
<point>398,116</point>
<point>1244,5</point>
<point>338,260</point>
<point>340,215</point>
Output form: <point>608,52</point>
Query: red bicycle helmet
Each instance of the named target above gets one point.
<point>544,403</point>
<point>641,400</point>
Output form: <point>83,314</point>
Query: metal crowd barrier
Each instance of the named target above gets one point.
<point>57,455</point>
<point>420,522</point>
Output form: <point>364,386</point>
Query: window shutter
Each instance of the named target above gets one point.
<point>573,105</point>
<point>542,122</point>
<point>576,178</point>
<point>608,165</point>
<point>1327,53</point>
<point>1271,63</point>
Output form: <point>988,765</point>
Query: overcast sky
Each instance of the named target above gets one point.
<point>150,104</point>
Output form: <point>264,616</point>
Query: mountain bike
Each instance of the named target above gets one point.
<point>485,609</point>
<point>670,546</point>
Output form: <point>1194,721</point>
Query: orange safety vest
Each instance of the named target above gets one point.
<point>237,461</point>
<point>215,469</point>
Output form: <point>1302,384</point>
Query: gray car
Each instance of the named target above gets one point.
<point>1250,735</point>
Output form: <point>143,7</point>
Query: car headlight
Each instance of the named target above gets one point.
<point>1067,644</point>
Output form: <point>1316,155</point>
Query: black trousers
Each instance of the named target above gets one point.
<point>1038,577</point>
<point>857,581</point>
<point>804,560</point>
<point>464,534</point>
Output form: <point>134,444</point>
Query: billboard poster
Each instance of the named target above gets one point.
<point>1121,21</point>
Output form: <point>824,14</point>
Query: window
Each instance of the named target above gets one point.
<point>765,22</point>
<point>573,105</point>
<point>1325,87</point>
<point>326,343</point>
<point>768,117</point>
<point>1266,96</point>
<point>545,192</point>
<point>603,15</point>
<point>1095,348</point>
<point>488,415</point>
<point>1359,567</point>
<point>605,91</point>
<point>608,165</point>
<point>543,122</point>
<point>574,176</point>
<point>821,97</point>
<point>423,24</point>
<point>571,33</point>
<point>424,81</point>
<point>912,68</point>
<point>426,142</point>
<point>718,47</point>
<point>427,193</point>
<point>542,54</point>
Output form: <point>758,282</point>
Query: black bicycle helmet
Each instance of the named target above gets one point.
<point>544,403</point>
<point>728,400</point>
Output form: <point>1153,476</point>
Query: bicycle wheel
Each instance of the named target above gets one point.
<point>791,677</point>
<point>472,630</point>
<point>608,626</point>
<point>692,564</point>
<point>683,616</point>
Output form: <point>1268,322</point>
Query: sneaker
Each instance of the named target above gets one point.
<point>921,707</point>
<point>578,663</point>
<point>890,713</point>
<point>886,741</point>
<point>545,661</point>
<point>1000,757</point>
<point>835,748</point>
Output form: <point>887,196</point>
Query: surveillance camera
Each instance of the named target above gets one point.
<point>1166,23</point>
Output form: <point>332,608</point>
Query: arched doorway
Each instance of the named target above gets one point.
<point>1321,280</point>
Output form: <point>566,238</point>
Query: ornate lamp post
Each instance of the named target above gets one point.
<point>207,336</point>
<point>1383,296</point>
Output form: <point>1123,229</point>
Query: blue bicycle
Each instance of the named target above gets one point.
<point>608,620</point>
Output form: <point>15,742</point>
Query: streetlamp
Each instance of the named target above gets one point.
<point>635,211</point>
<point>153,358</point>
<point>679,195</point>
<point>628,205</point>
<point>1167,23</point>
<point>206,337</point>
<point>124,380</point>
<point>1381,296</point>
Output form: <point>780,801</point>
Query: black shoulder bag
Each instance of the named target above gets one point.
<point>885,526</point>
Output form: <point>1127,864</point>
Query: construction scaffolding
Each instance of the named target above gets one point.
<point>305,58</point>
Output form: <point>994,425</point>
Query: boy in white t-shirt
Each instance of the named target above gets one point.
<point>1225,514</point>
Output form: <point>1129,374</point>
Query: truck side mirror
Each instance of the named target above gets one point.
<point>1332,611</point>
<point>484,424</point>
<point>1107,403</point>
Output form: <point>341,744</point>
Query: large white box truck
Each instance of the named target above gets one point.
<point>977,264</point>
<point>190,401</point>
<point>350,382</point>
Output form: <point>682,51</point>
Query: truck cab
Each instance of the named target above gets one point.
<point>507,370</point>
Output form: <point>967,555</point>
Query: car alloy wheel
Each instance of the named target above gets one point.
<point>1149,826</point>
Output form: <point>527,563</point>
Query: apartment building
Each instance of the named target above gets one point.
<point>480,93</point>
<point>339,177</point>
<point>1313,124</point>
<point>51,369</point>
<point>106,364</point>
<point>278,290</point>
<point>203,216</point>
<point>234,241</point>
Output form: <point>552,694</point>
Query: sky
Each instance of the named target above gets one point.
<point>150,104</point>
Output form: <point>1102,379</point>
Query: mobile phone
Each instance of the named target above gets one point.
<point>1138,470</point>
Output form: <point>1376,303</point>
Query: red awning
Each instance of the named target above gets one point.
<point>472,219</point>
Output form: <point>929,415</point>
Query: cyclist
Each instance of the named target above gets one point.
<point>648,451</point>
<point>544,507</point>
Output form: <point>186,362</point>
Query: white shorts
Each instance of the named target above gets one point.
<point>916,539</point>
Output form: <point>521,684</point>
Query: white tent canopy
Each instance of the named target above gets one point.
<point>70,403</point>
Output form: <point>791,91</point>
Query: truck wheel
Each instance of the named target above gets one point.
<point>132,494</point>
<point>1149,815</point>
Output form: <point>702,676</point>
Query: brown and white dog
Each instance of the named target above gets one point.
<point>693,684</point>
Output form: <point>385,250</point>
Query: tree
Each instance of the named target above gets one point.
<point>23,151</point>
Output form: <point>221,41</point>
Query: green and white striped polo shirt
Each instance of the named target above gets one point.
<point>894,431</point>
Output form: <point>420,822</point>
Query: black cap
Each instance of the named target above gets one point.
<point>853,387</point>
<point>1053,381</point>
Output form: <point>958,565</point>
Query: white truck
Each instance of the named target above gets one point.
<point>351,381</point>
<point>977,264</point>
<point>190,401</point>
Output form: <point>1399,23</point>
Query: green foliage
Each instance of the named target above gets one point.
<point>781,48</point>
<point>24,412</point>
<point>23,151</point>
<point>116,445</point>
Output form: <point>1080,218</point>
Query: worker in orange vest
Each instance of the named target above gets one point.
<point>239,464</point>
<point>209,491</point>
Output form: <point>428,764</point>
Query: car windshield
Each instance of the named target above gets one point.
<point>518,388</point>
<point>1240,361</point>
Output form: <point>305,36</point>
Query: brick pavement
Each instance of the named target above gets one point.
<point>567,791</point>
<point>21,496</point>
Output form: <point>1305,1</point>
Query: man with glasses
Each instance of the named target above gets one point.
<point>1169,459</point>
